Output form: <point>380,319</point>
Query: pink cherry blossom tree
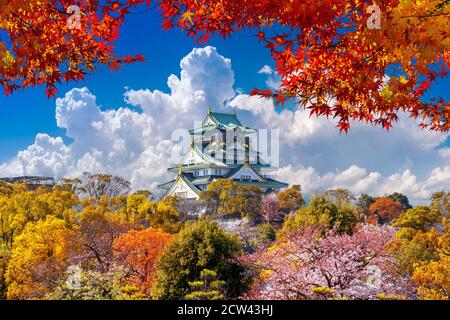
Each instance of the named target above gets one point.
<point>308,265</point>
<point>270,208</point>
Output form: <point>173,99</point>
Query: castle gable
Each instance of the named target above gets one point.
<point>183,189</point>
<point>245,172</point>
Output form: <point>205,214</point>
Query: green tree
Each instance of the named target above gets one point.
<point>265,233</point>
<point>340,197</point>
<point>207,288</point>
<point>250,198</point>
<point>363,204</point>
<point>226,198</point>
<point>221,197</point>
<point>402,199</point>
<point>344,220</point>
<point>202,245</point>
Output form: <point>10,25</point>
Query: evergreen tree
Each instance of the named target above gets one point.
<point>207,288</point>
<point>203,245</point>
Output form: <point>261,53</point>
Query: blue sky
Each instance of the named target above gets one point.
<point>133,140</point>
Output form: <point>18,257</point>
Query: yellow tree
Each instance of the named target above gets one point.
<point>290,200</point>
<point>22,206</point>
<point>40,256</point>
<point>160,215</point>
<point>433,277</point>
<point>417,239</point>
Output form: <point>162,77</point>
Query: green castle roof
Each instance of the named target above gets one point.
<point>226,119</point>
<point>194,181</point>
<point>222,121</point>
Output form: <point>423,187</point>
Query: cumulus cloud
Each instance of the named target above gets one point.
<point>206,80</point>
<point>295,126</point>
<point>140,143</point>
<point>135,144</point>
<point>273,80</point>
<point>265,70</point>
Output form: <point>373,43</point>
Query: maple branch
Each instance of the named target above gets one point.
<point>25,23</point>
<point>426,16</point>
<point>366,59</point>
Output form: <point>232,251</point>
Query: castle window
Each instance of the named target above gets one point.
<point>183,194</point>
<point>196,173</point>
<point>205,172</point>
<point>244,177</point>
<point>218,172</point>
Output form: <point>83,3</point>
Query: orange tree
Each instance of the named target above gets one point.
<point>385,209</point>
<point>138,252</point>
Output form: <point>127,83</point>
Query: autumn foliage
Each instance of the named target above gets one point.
<point>332,61</point>
<point>139,251</point>
<point>131,247</point>
<point>343,59</point>
<point>385,209</point>
<point>43,49</point>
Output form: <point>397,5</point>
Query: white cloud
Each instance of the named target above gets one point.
<point>273,80</point>
<point>295,126</point>
<point>48,156</point>
<point>136,145</point>
<point>139,145</point>
<point>316,142</point>
<point>265,70</point>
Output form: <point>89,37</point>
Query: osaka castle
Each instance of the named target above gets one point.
<point>221,148</point>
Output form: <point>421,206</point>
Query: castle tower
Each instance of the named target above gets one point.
<point>221,149</point>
